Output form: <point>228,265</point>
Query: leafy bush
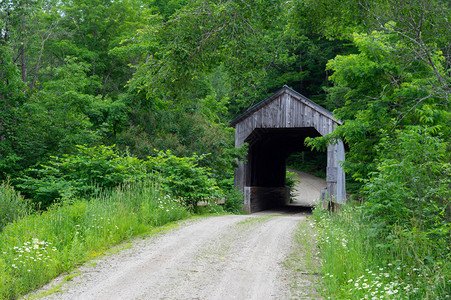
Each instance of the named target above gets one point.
<point>93,169</point>
<point>12,205</point>
<point>290,182</point>
<point>234,200</point>
<point>412,187</point>
<point>185,134</point>
<point>82,174</point>
<point>183,179</point>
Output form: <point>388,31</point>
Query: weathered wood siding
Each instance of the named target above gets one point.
<point>286,111</point>
<point>289,109</point>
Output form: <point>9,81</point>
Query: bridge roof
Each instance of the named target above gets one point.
<point>285,90</point>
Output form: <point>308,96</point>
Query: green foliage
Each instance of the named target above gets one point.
<point>58,240</point>
<point>313,162</point>
<point>412,187</point>
<point>357,263</point>
<point>199,38</point>
<point>395,95</point>
<point>92,169</point>
<point>11,85</point>
<point>183,179</point>
<point>92,35</point>
<point>11,96</point>
<point>184,134</point>
<point>210,209</point>
<point>162,211</point>
<point>234,200</point>
<point>56,118</point>
<point>13,206</point>
<point>381,95</point>
<point>301,55</point>
<point>290,182</point>
<point>333,18</point>
<point>81,174</point>
<point>338,19</point>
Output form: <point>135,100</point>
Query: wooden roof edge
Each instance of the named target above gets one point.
<point>312,104</point>
<point>257,106</point>
<point>284,89</point>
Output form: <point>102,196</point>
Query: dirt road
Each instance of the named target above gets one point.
<point>223,257</point>
<point>308,188</point>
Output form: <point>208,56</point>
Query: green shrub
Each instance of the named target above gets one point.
<point>91,170</point>
<point>210,208</point>
<point>412,187</point>
<point>82,174</point>
<point>234,200</point>
<point>290,182</point>
<point>184,179</point>
<point>12,205</point>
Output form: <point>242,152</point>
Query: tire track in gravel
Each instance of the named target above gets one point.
<point>224,257</point>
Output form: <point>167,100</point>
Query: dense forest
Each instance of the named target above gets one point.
<point>95,93</point>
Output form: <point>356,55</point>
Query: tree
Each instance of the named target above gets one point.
<point>196,40</point>
<point>11,97</point>
<point>399,73</point>
<point>381,95</point>
<point>91,30</point>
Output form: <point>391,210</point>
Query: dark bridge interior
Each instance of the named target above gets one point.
<point>269,149</point>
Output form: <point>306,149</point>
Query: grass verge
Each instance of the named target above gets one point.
<point>12,205</point>
<point>357,264</point>
<point>38,247</point>
<point>303,264</point>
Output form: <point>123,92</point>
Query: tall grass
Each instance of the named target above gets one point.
<point>38,247</point>
<point>359,264</point>
<point>12,205</point>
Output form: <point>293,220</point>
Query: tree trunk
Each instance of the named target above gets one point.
<point>22,47</point>
<point>37,65</point>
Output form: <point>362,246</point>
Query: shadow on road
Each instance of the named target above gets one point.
<point>287,210</point>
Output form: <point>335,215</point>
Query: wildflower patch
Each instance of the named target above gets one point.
<point>32,258</point>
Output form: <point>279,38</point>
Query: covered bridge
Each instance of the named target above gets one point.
<point>274,129</point>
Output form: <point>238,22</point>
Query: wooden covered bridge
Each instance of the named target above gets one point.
<point>274,129</point>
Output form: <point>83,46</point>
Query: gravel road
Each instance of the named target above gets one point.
<point>224,257</point>
<point>308,188</point>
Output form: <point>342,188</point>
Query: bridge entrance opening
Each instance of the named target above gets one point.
<point>268,153</point>
<point>266,164</point>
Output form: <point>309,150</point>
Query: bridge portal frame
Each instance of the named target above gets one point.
<point>274,128</point>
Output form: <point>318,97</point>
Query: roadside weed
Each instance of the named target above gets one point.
<point>38,247</point>
<point>357,264</point>
<point>12,205</point>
